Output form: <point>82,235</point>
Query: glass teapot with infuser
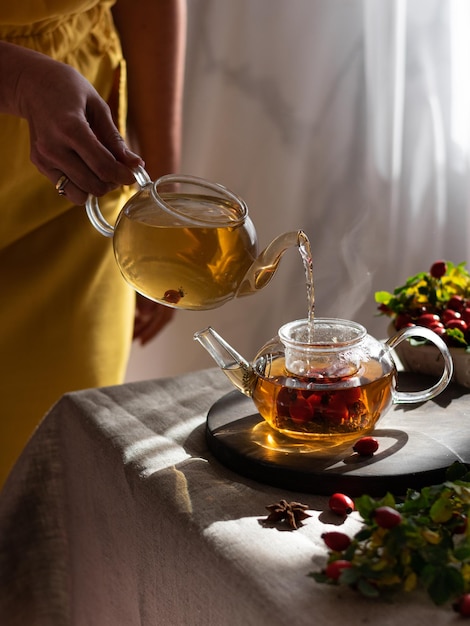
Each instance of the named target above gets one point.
<point>325,380</point>
<point>188,243</point>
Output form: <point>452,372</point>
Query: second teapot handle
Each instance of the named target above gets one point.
<point>407,397</point>
<point>93,209</point>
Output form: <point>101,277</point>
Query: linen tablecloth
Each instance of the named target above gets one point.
<point>117,514</point>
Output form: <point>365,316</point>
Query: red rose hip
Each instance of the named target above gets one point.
<point>459,324</point>
<point>335,568</point>
<point>462,605</point>
<point>449,314</point>
<point>427,319</point>
<point>456,303</point>
<point>336,541</point>
<point>341,504</point>
<point>366,446</point>
<point>438,269</point>
<point>403,320</point>
<point>466,315</point>
<point>173,296</point>
<point>386,517</point>
<point>300,410</point>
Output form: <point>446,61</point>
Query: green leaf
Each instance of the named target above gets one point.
<point>383,297</point>
<point>396,539</point>
<point>462,552</point>
<point>456,470</point>
<point>348,554</point>
<point>415,503</point>
<point>446,584</point>
<point>442,509</point>
<point>427,574</point>
<point>412,280</point>
<point>436,555</point>
<point>388,500</point>
<point>368,590</point>
<point>457,335</point>
<point>349,576</point>
<point>365,505</point>
<point>319,577</point>
<point>362,535</point>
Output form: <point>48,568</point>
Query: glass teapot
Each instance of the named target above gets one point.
<point>327,382</point>
<point>188,243</point>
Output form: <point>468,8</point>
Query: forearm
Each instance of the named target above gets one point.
<point>153,39</point>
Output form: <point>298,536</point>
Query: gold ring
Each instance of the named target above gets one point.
<point>61,184</point>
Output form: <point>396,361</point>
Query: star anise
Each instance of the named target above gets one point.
<point>291,512</point>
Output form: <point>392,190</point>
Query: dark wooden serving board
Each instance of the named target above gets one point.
<point>417,443</point>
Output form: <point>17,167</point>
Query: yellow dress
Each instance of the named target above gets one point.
<point>66,314</point>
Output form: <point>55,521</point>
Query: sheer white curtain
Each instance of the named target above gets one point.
<point>417,60</point>
<point>349,119</point>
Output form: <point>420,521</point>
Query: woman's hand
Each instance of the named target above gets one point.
<point>150,318</point>
<point>71,128</point>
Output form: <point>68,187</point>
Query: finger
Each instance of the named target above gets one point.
<point>83,176</point>
<point>102,125</point>
<point>81,179</point>
<point>76,149</point>
<point>68,189</point>
<point>100,160</point>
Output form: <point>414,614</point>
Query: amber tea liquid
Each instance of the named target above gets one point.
<point>192,267</point>
<point>329,410</point>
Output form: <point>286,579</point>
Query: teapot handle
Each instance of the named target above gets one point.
<point>93,209</point>
<point>404,397</point>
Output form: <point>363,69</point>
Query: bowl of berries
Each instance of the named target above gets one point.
<point>439,300</point>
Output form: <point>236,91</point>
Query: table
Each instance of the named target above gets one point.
<point>117,514</point>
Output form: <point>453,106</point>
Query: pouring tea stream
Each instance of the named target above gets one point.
<point>189,243</point>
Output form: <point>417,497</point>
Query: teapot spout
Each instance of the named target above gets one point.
<point>265,266</point>
<point>234,366</point>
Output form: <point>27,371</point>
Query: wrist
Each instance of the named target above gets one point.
<point>16,63</point>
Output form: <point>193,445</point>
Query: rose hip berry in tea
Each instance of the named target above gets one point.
<point>173,296</point>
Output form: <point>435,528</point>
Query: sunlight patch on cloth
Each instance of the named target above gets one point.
<point>179,432</point>
<point>153,454</point>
